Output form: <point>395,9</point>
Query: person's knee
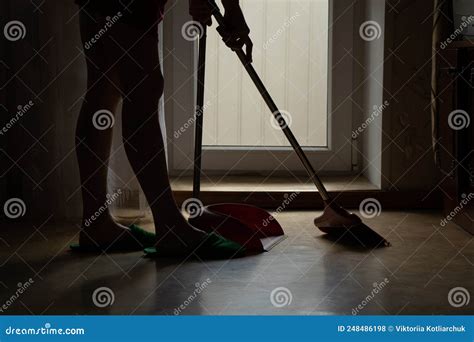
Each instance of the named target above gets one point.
<point>140,108</point>
<point>143,99</point>
<point>98,109</point>
<point>104,94</point>
<point>145,90</point>
<point>154,85</point>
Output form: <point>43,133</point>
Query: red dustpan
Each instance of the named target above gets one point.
<point>249,226</point>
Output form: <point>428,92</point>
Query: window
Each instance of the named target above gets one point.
<point>291,53</point>
<point>307,73</point>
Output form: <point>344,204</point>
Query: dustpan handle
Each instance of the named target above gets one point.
<point>199,113</point>
<point>274,109</point>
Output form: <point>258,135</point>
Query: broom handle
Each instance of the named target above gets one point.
<point>274,109</point>
<point>199,114</point>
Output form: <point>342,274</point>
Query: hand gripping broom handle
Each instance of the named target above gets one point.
<point>199,113</point>
<point>274,109</point>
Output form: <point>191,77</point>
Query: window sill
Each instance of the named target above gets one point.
<point>273,184</point>
<point>270,192</point>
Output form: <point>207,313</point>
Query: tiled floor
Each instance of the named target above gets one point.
<point>414,276</point>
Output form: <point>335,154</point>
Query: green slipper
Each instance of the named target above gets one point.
<point>213,247</point>
<point>143,237</point>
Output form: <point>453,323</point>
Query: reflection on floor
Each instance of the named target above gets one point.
<point>306,274</point>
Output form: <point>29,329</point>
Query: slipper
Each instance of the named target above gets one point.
<point>145,238</point>
<point>213,247</point>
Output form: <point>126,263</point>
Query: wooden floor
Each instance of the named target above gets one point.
<point>311,274</point>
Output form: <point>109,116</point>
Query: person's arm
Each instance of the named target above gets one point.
<point>236,33</point>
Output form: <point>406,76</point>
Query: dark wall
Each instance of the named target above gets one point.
<point>409,159</point>
<point>46,67</point>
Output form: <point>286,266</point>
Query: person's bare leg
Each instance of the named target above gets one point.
<point>141,77</point>
<point>93,145</point>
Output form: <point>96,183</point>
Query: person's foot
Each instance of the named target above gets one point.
<point>176,236</point>
<point>108,235</point>
<point>180,238</point>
